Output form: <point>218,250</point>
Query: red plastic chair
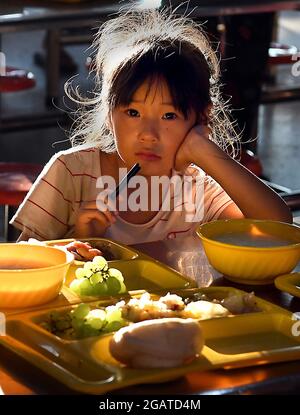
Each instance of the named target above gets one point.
<point>16,80</point>
<point>15,178</point>
<point>15,181</point>
<point>281,54</point>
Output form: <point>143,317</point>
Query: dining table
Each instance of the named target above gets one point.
<point>186,255</point>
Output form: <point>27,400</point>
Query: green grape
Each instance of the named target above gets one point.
<point>113,285</point>
<point>81,311</point>
<point>105,275</point>
<point>100,288</point>
<point>77,324</point>
<point>88,269</point>
<point>123,288</point>
<point>100,262</point>
<point>80,273</point>
<point>63,324</point>
<point>75,286</point>
<point>113,313</point>
<point>95,278</point>
<point>97,313</point>
<point>85,287</point>
<point>113,326</point>
<point>96,319</point>
<point>95,323</point>
<point>94,267</point>
<point>87,331</point>
<point>113,272</point>
<point>87,266</point>
<point>54,315</point>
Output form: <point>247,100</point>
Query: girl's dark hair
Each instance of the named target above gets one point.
<point>150,45</point>
<point>184,69</point>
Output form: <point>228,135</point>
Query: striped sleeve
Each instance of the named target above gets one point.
<point>46,210</point>
<point>215,200</point>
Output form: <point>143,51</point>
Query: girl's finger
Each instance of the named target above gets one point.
<point>95,252</point>
<point>88,215</point>
<point>77,244</point>
<point>104,206</point>
<point>77,256</point>
<point>91,222</point>
<point>109,217</point>
<point>85,253</point>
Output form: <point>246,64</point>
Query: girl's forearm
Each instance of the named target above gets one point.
<point>255,199</point>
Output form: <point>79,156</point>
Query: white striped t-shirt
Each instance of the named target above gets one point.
<point>69,178</point>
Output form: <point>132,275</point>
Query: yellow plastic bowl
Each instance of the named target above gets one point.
<point>248,264</point>
<point>40,280</point>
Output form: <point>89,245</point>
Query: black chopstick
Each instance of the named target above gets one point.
<point>123,183</point>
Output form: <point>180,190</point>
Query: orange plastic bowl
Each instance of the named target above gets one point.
<point>31,275</point>
<point>251,264</point>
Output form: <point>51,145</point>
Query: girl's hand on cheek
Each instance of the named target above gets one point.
<point>191,147</point>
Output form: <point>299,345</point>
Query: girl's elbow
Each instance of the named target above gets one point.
<point>288,214</point>
<point>284,216</point>
<point>281,212</point>
<point>289,217</point>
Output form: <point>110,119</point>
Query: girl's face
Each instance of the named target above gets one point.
<point>150,130</point>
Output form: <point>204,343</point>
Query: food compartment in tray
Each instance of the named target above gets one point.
<point>240,341</point>
<point>143,274</point>
<point>120,311</point>
<point>87,365</point>
<point>111,250</point>
<point>59,322</point>
<point>251,302</point>
<point>59,358</point>
<point>262,332</point>
<point>289,283</point>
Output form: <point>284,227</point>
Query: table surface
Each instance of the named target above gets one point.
<point>187,256</point>
<point>35,14</point>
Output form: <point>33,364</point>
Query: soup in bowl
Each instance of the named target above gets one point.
<point>251,251</point>
<point>31,275</point>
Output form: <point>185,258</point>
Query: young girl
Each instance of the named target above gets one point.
<point>157,103</point>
